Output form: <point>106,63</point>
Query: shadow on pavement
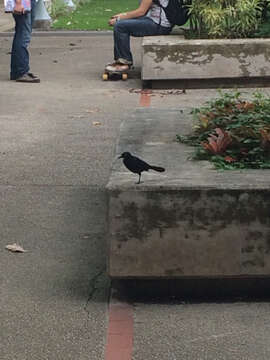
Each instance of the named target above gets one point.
<point>192,290</point>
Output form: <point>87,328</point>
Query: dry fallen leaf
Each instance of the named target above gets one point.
<point>135,91</point>
<point>15,248</point>
<point>158,92</point>
<point>96,123</point>
<point>91,111</point>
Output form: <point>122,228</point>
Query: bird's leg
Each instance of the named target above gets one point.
<point>139,179</point>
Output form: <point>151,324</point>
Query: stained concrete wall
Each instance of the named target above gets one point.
<point>189,233</point>
<point>172,57</point>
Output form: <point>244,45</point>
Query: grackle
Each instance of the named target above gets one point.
<point>137,165</point>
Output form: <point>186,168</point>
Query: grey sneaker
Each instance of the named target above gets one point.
<point>28,78</point>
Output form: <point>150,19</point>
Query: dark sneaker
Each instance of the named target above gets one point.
<point>33,76</point>
<point>27,78</point>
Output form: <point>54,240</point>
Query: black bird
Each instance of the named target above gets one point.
<point>137,165</point>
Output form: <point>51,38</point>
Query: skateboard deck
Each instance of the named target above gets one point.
<point>115,75</point>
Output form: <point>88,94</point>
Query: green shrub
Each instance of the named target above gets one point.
<point>226,18</point>
<point>231,132</point>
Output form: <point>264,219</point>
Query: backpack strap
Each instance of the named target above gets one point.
<point>158,3</point>
<point>161,8</point>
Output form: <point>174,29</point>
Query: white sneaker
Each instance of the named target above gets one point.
<point>117,67</point>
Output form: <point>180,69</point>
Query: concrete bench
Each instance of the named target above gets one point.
<point>190,221</point>
<point>173,58</point>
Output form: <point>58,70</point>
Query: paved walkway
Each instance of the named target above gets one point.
<point>57,143</point>
<point>6,20</point>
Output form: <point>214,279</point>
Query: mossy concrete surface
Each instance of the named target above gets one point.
<point>172,57</point>
<point>191,220</point>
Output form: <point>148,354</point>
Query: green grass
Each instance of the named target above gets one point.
<point>93,14</point>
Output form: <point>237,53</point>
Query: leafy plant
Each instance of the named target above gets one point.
<point>226,18</point>
<point>231,132</point>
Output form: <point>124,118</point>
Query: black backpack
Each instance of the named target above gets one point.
<point>176,12</point>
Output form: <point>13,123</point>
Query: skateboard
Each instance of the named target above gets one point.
<point>115,75</point>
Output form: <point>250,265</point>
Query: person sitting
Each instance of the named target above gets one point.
<point>147,20</point>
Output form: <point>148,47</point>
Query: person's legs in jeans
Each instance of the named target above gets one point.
<point>19,53</point>
<point>138,27</point>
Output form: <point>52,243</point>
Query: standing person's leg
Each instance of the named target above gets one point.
<point>138,27</point>
<point>21,40</point>
<point>19,53</point>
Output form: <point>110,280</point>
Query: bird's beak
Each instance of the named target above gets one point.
<point>120,157</point>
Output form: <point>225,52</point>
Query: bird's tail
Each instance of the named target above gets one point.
<point>157,168</point>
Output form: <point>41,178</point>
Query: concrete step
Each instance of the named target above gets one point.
<point>173,58</point>
<point>191,220</point>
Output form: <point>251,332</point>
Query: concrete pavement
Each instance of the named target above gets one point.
<point>57,144</point>
<point>6,20</point>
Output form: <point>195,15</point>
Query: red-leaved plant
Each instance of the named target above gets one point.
<point>217,144</point>
<point>265,138</point>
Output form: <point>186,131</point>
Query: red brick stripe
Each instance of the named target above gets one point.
<point>145,98</point>
<point>120,332</point>
<point>120,329</point>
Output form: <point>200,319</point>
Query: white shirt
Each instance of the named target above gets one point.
<point>156,11</point>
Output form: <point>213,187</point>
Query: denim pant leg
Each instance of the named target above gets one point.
<point>19,52</point>
<point>123,29</point>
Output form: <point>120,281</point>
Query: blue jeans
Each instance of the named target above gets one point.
<point>19,52</point>
<point>138,27</point>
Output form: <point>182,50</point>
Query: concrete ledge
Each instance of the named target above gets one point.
<point>191,221</point>
<point>172,57</point>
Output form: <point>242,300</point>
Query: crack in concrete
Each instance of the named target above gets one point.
<point>216,336</point>
<point>93,287</point>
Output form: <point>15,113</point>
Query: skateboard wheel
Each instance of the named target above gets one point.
<point>124,76</point>
<point>105,77</point>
